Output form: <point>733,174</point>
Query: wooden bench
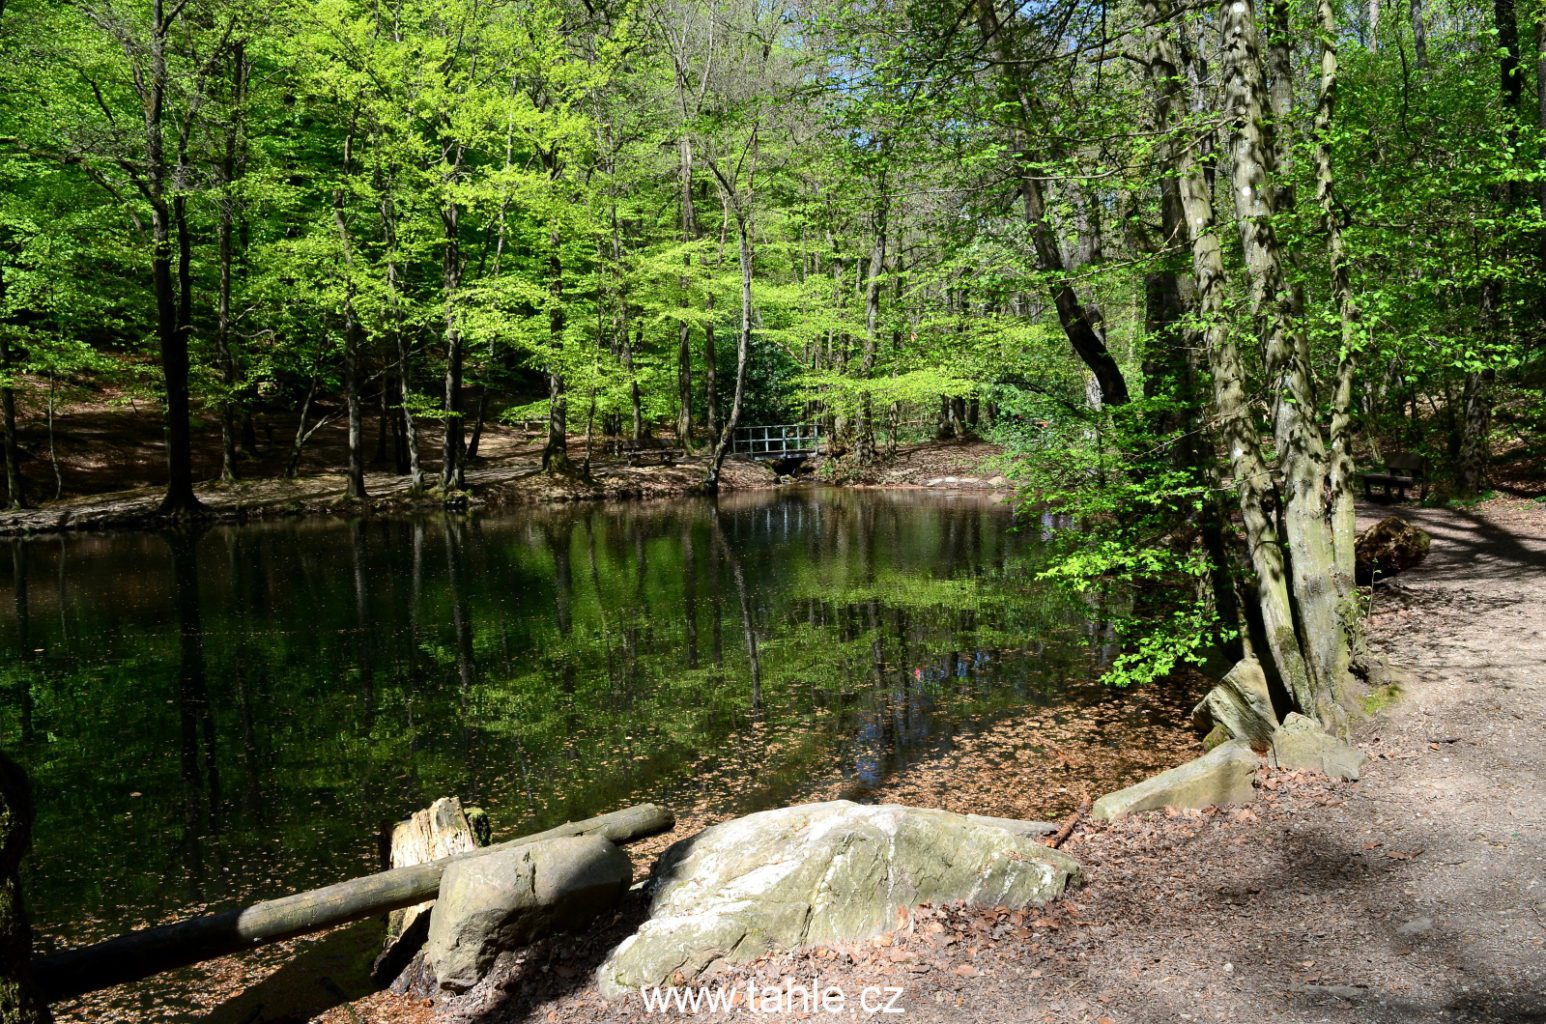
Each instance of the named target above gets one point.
<point>647,453</point>
<point>1402,471</point>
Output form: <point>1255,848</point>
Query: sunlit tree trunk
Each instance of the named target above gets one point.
<point>1341,470</point>
<point>684,332</point>
<point>1317,595</point>
<point>355,489</point>
<point>1252,477</point>
<point>743,339</point>
<point>865,439</point>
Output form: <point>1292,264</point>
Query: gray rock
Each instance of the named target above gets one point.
<point>1033,829</point>
<point>1302,745</point>
<point>820,874</point>
<point>1241,705</point>
<point>1223,776</point>
<point>493,903</point>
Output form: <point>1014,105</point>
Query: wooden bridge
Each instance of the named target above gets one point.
<point>777,441</point>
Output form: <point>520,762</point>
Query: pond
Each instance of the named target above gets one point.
<point>216,718</point>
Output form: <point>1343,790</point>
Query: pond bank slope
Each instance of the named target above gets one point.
<point>1418,893</point>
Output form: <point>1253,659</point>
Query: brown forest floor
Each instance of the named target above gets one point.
<point>1416,894</point>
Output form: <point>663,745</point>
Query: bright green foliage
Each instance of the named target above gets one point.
<point>542,197</point>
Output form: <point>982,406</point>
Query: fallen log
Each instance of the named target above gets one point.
<point>150,951</point>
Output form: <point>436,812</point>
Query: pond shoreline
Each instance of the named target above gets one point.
<point>492,485</point>
<point>1390,926</point>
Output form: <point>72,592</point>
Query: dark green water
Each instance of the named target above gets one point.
<point>209,720</point>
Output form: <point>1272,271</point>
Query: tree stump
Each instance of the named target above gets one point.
<point>19,1001</point>
<point>442,829</point>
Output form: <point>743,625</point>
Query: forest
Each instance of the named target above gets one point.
<point>1195,274</point>
<point>1162,253</point>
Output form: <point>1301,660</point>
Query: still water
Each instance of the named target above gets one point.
<point>215,718</point>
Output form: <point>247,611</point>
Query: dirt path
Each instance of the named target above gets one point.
<point>1416,894</point>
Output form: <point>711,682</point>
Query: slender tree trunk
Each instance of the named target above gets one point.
<point>1419,35</point>
<point>743,342</point>
<point>555,454</point>
<point>1540,119</point>
<point>1476,422</point>
<point>452,470</point>
<point>171,329</point>
<point>231,163</point>
<point>355,490</point>
<point>865,442</point>
<point>1341,470</point>
<point>684,339</point>
<point>394,311</point>
<point>15,490</point>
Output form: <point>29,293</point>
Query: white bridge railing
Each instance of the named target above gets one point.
<point>777,441</point>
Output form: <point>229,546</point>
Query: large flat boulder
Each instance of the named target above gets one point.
<point>1223,776</point>
<point>1240,705</point>
<point>1302,745</point>
<point>821,874</point>
<point>501,900</point>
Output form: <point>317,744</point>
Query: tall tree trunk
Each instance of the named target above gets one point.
<point>743,342</point>
<point>1476,422</point>
<point>15,489</point>
<point>1540,119</point>
<point>555,454</point>
<point>1318,607</point>
<point>865,441</point>
<point>453,472</point>
<point>684,339</point>
<point>231,164</point>
<point>1251,476</point>
<point>1340,471</point>
<point>172,335</point>
<point>399,337</point>
<point>355,490</point>
<point>1419,35</point>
